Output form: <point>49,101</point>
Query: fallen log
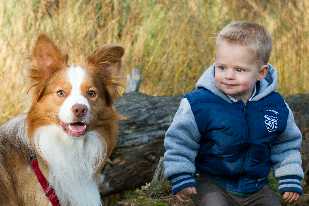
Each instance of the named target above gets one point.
<point>140,142</point>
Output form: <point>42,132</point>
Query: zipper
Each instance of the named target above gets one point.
<point>244,110</point>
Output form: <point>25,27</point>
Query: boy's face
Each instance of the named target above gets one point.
<point>237,70</point>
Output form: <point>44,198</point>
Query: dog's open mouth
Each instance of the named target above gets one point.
<point>75,129</point>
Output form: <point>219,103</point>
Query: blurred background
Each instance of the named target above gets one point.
<point>170,41</point>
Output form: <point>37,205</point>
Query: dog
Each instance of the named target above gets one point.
<point>53,154</point>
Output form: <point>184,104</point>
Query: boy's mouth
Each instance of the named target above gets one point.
<point>228,84</point>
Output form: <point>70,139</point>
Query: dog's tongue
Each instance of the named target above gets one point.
<point>77,129</point>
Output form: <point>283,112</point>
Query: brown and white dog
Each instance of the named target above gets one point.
<point>69,131</point>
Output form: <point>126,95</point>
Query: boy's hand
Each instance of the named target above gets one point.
<point>185,194</point>
<point>290,197</point>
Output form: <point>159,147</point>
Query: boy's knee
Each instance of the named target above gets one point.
<point>209,194</point>
<point>212,199</point>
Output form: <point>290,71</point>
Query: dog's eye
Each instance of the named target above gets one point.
<point>91,93</point>
<point>60,93</point>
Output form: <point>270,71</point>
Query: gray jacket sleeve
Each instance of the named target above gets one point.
<point>286,158</point>
<point>181,146</point>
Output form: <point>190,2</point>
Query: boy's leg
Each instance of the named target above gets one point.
<point>264,197</point>
<point>208,194</point>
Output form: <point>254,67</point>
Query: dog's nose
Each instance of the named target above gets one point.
<point>79,110</point>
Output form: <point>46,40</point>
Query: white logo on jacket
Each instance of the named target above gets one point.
<point>271,120</point>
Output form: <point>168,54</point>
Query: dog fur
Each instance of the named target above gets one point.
<point>71,127</point>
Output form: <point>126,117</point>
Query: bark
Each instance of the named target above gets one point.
<point>140,143</point>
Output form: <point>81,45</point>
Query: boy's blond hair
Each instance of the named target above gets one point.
<point>249,34</point>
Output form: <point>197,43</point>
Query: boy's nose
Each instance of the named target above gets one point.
<point>229,74</point>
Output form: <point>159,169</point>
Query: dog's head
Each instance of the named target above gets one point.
<point>77,98</point>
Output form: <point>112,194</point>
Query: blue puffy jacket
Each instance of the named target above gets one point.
<point>233,143</point>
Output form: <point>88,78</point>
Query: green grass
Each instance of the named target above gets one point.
<point>152,194</point>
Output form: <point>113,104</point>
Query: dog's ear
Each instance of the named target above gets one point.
<point>46,56</point>
<point>107,63</point>
<point>107,58</point>
<point>46,59</point>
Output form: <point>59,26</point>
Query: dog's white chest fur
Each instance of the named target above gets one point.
<point>72,164</point>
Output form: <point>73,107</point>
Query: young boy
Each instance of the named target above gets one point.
<point>234,127</point>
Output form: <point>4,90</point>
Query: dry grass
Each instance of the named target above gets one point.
<point>170,41</point>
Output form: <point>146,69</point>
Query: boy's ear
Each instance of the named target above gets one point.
<point>263,72</point>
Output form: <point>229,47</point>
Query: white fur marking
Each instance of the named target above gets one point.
<point>72,163</point>
<point>76,75</point>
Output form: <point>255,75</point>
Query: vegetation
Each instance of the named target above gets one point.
<point>152,194</point>
<point>158,193</point>
<point>170,41</point>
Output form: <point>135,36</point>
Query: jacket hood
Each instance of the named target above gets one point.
<point>266,85</point>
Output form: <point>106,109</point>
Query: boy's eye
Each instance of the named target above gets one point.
<point>220,67</point>
<point>238,69</point>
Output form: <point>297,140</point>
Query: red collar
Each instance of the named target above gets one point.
<point>48,190</point>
